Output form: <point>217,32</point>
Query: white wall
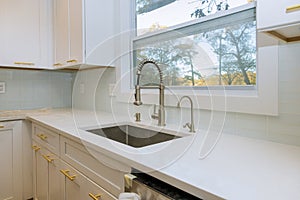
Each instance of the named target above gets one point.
<point>284,128</point>
<point>33,89</point>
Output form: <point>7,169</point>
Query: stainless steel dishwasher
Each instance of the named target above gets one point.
<point>150,188</point>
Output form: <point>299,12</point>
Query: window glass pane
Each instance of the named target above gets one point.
<point>152,15</point>
<point>224,56</point>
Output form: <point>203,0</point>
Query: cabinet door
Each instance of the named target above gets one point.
<point>68,32</point>
<point>77,186</point>
<point>11,160</point>
<point>19,31</point>
<point>100,32</point>
<point>270,14</point>
<point>41,176</point>
<point>61,30</point>
<point>54,186</point>
<point>70,182</point>
<point>25,32</point>
<point>91,190</point>
<point>76,31</point>
<point>46,41</point>
<point>46,174</point>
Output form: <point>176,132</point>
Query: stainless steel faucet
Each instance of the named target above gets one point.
<point>191,125</point>
<point>160,116</point>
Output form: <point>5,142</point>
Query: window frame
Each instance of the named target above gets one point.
<point>259,99</point>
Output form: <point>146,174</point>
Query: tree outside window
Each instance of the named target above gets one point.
<point>225,56</point>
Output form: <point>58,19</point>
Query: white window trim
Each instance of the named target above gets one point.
<point>261,100</point>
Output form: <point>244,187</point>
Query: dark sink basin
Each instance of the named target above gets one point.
<point>133,136</point>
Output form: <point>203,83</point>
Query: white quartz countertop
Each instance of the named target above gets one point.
<point>8,115</point>
<point>237,168</point>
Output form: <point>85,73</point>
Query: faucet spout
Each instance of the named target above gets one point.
<point>190,125</point>
<point>160,116</point>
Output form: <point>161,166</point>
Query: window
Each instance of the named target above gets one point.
<point>235,95</point>
<point>197,42</point>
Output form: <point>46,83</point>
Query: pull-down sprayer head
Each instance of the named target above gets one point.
<point>161,112</point>
<point>138,100</point>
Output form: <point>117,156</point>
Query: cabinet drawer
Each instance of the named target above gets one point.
<point>106,172</point>
<point>46,137</point>
<point>78,186</point>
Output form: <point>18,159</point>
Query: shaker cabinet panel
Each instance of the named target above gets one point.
<point>78,186</point>
<point>46,173</point>
<point>100,22</point>
<point>41,175</point>
<point>76,30</point>
<point>68,32</point>
<point>61,32</point>
<point>11,160</point>
<point>84,32</point>
<point>24,33</point>
<point>71,182</point>
<point>19,32</point>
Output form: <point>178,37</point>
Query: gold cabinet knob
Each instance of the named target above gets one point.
<point>95,196</point>
<point>48,158</point>
<point>57,64</point>
<point>42,136</point>
<point>1,126</point>
<point>72,61</point>
<point>66,173</point>
<point>35,148</point>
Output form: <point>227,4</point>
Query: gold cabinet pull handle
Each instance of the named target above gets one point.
<point>95,196</point>
<point>1,126</point>
<point>66,173</point>
<point>42,136</point>
<point>57,64</point>
<point>23,63</point>
<point>72,61</point>
<point>48,158</point>
<point>35,148</point>
<point>292,8</point>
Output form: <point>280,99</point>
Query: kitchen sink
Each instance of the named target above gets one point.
<point>133,136</point>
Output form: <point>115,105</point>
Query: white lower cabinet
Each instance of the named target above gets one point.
<point>46,173</point>
<point>77,186</point>
<point>11,160</point>
<point>70,172</point>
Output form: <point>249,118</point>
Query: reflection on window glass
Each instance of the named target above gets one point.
<point>225,56</point>
<point>152,15</point>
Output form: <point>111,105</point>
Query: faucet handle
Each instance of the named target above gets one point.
<point>187,125</point>
<point>190,127</point>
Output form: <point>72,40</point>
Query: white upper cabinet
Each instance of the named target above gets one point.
<point>56,34</point>
<point>82,32</point>
<point>280,18</point>
<point>25,35</point>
